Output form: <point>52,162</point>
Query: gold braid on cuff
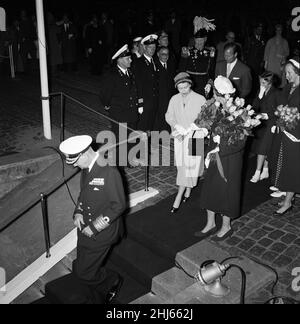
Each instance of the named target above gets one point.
<point>101,223</point>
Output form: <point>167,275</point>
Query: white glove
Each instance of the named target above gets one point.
<point>261,92</point>
<point>203,132</point>
<point>194,127</point>
<point>207,88</point>
<point>181,130</point>
<point>265,116</point>
<point>141,110</point>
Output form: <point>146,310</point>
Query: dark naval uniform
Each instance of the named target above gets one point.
<point>118,92</point>
<point>200,65</point>
<point>147,85</point>
<point>101,194</point>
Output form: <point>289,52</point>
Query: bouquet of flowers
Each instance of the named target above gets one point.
<point>288,117</point>
<point>235,122</point>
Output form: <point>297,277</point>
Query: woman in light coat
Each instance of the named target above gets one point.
<point>183,110</point>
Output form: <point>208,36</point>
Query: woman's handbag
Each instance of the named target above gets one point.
<point>196,146</point>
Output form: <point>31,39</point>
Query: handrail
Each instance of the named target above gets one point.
<point>42,198</point>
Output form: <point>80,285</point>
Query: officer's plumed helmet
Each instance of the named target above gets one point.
<point>74,147</point>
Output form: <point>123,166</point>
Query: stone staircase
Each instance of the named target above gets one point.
<point>176,287</point>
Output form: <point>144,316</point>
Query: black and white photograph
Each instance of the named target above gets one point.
<point>149,155</point>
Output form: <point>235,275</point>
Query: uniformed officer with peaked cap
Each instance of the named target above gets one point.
<point>146,74</point>
<point>118,93</point>
<point>97,215</point>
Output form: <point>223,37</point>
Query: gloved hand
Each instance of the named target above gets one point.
<point>265,116</point>
<point>181,130</point>
<point>141,110</point>
<point>207,88</point>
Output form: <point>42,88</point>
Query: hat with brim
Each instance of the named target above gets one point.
<point>74,147</point>
<point>137,40</point>
<point>122,52</point>
<point>150,39</point>
<point>181,78</point>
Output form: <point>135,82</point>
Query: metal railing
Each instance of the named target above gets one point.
<point>43,197</point>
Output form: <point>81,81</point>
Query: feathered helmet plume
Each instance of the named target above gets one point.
<point>203,23</point>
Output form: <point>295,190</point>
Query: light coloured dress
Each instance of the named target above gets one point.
<point>189,167</point>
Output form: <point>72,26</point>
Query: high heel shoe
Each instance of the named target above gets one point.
<point>256,177</point>
<point>285,212</point>
<point>265,174</point>
<point>185,199</point>
<point>174,210</point>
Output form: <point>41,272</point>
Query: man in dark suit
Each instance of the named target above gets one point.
<point>97,215</point>
<point>68,36</point>
<point>166,73</point>
<point>118,93</point>
<point>146,75</point>
<point>236,71</point>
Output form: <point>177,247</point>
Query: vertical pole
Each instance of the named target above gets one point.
<point>43,69</point>
<point>62,117</point>
<point>46,225</point>
<point>147,163</point>
<point>12,63</point>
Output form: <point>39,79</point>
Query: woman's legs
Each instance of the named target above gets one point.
<point>211,221</point>
<point>265,173</point>
<point>178,198</point>
<point>260,162</point>
<point>287,203</point>
<point>188,192</point>
<point>226,226</point>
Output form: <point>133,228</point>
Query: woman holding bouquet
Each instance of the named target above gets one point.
<point>286,149</point>
<point>221,189</point>
<point>182,111</point>
<point>265,103</point>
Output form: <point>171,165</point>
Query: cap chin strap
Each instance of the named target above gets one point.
<point>74,160</point>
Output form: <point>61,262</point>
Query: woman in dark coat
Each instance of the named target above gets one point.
<point>286,148</point>
<point>266,102</point>
<point>221,192</point>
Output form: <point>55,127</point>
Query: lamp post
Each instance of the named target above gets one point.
<point>43,69</point>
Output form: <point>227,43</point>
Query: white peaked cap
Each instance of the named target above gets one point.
<point>74,146</point>
<point>149,39</point>
<point>124,50</point>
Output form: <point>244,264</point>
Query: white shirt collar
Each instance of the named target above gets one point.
<point>232,65</point>
<point>94,161</point>
<point>162,63</point>
<point>148,58</point>
<point>123,70</point>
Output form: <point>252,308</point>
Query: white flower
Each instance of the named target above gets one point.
<point>249,107</point>
<point>230,118</point>
<point>229,102</point>
<point>224,85</point>
<point>240,102</point>
<point>217,104</point>
<point>248,123</point>
<point>251,112</point>
<point>236,113</point>
<point>217,139</point>
<point>232,109</point>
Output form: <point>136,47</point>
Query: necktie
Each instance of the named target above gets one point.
<point>165,66</point>
<point>153,64</point>
<point>228,70</point>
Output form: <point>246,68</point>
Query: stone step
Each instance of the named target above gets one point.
<point>176,287</point>
<point>170,283</point>
<point>149,299</point>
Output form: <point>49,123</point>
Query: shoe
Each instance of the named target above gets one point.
<point>265,174</point>
<point>281,203</point>
<point>174,210</point>
<point>207,234</point>
<point>225,236</point>
<point>256,177</point>
<point>278,194</point>
<point>185,199</point>
<point>273,188</point>
<point>285,212</point>
<point>114,290</point>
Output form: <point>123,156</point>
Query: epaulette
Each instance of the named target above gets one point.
<point>185,52</point>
